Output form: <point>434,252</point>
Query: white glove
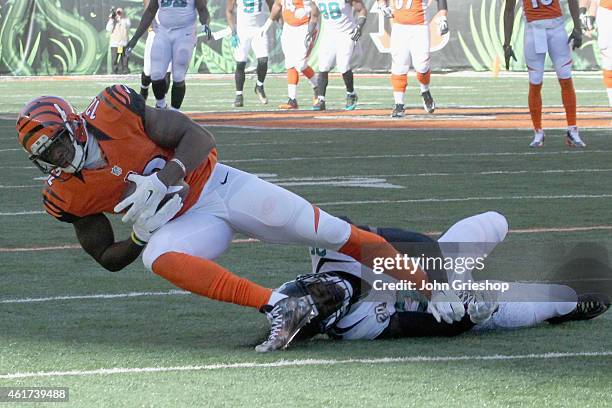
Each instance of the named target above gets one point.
<point>386,11</point>
<point>445,305</point>
<point>443,25</point>
<point>481,306</point>
<point>145,199</point>
<point>263,30</point>
<point>144,227</point>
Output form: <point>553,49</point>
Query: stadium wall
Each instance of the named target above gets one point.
<point>67,37</point>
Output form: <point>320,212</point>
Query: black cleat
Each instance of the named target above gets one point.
<point>319,105</point>
<point>351,101</point>
<point>428,103</point>
<point>261,94</point>
<point>239,101</point>
<point>291,104</point>
<point>398,111</point>
<point>588,307</point>
<point>286,318</point>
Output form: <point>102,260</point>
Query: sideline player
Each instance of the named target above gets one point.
<point>410,46</point>
<point>337,41</point>
<point>338,287</point>
<point>245,18</point>
<point>545,34</point>
<point>145,76</point>
<point>600,14</point>
<point>88,157</point>
<point>297,40</point>
<point>175,40</point>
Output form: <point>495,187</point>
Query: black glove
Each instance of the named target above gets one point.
<point>207,32</point>
<point>575,38</point>
<point>508,53</point>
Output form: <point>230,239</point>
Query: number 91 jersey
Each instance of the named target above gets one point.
<point>251,13</point>
<point>336,15</point>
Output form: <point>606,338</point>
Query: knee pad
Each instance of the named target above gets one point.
<point>564,72</point>
<point>145,80</point>
<point>178,84</point>
<point>397,69</point>
<point>159,244</point>
<point>240,66</point>
<point>332,232</point>
<point>536,77</point>
<point>262,61</point>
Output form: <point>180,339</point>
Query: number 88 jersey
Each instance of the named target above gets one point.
<point>336,15</point>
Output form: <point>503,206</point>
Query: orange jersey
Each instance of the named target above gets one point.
<point>541,9</point>
<point>115,119</point>
<point>292,12</point>
<point>409,11</point>
<point>606,4</point>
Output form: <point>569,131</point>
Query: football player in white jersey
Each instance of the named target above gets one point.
<point>245,18</point>
<point>339,286</point>
<point>145,76</point>
<point>339,34</point>
<point>598,14</point>
<point>175,39</point>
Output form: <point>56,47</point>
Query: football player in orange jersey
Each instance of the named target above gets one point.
<point>298,38</point>
<point>600,13</point>
<point>410,46</point>
<point>545,34</point>
<point>88,157</point>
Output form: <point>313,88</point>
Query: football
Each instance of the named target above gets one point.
<point>181,188</point>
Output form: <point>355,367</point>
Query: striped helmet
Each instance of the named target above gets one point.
<point>47,120</point>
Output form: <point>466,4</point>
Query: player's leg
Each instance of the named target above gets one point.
<point>241,53</point>
<point>161,55</point>
<point>260,48</point>
<point>419,51</point>
<point>400,63</point>
<point>535,48</point>
<point>145,77</point>
<point>182,50</point>
<point>272,214</point>
<point>327,55</point>
<point>604,39</point>
<point>303,53</point>
<point>344,53</point>
<point>288,38</point>
<point>561,56</point>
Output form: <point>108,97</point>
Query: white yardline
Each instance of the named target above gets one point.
<point>461,199</point>
<point>303,363</point>
<point>416,155</point>
<point>98,296</point>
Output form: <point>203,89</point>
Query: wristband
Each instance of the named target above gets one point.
<point>137,240</point>
<point>181,165</point>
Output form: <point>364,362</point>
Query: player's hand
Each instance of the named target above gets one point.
<point>145,199</point>
<point>234,40</point>
<point>508,53</point>
<point>587,23</point>
<point>144,227</point>
<point>355,33</point>
<point>575,38</point>
<point>386,11</point>
<point>443,25</point>
<point>263,30</point>
<point>127,51</point>
<point>445,305</point>
<point>481,307</point>
<point>310,36</point>
<point>207,32</point>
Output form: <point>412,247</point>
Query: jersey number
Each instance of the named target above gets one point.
<point>173,3</point>
<point>92,108</point>
<point>250,5</point>
<point>330,11</point>
<point>536,3</point>
<point>400,3</point>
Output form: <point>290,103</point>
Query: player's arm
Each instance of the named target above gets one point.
<point>360,10</point>
<point>203,14</point>
<point>230,15</point>
<point>173,130</point>
<point>96,236</point>
<point>276,10</point>
<point>508,27</point>
<point>145,23</point>
<point>576,35</point>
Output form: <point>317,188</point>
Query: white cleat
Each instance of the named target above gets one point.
<point>572,138</point>
<point>538,139</point>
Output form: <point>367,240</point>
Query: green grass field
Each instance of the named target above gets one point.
<point>203,350</point>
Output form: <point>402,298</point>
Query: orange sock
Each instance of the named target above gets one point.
<point>308,72</point>
<point>607,78</point>
<point>209,279</point>
<point>424,78</point>
<point>292,76</point>
<point>568,96</point>
<point>535,105</point>
<point>364,246</point>
<point>399,82</point>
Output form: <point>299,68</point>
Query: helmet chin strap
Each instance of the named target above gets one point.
<point>80,155</point>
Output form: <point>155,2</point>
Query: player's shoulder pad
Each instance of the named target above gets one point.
<point>126,97</point>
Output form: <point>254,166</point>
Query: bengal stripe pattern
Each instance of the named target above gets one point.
<point>40,117</point>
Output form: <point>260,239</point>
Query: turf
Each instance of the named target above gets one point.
<point>439,176</point>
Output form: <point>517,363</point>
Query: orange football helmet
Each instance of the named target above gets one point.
<point>49,121</point>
